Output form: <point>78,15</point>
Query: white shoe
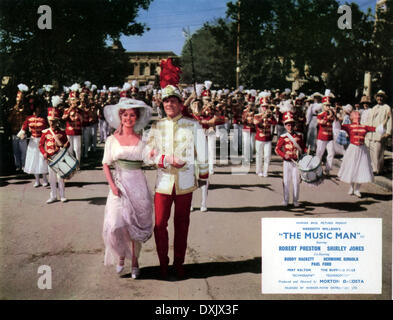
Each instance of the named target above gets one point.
<point>358,194</point>
<point>119,268</point>
<point>265,175</point>
<point>260,174</point>
<point>36,184</point>
<point>135,272</point>
<point>203,209</point>
<point>285,204</point>
<point>45,184</point>
<point>63,199</point>
<point>296,204</point>
<point>51,200</point>
<point>350,192</point>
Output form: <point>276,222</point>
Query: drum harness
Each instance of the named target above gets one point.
<point>56,139</point>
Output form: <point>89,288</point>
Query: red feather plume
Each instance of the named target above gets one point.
<point>170,74</point>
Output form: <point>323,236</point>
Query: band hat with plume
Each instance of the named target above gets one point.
<point>53,112</point>
<point>286,106</point>
<point>47,87</point>
<point>22,87</point>
<point>199,89</point>
<point>208,84</point>
<point>327,99</point>
<point>111,113</point>
<point>75,87</point>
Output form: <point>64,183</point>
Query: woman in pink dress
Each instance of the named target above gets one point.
<point>128,220</point>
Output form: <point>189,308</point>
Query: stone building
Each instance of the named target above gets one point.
<point>145,66</point>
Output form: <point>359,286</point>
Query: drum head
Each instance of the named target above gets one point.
<point>309,163</point>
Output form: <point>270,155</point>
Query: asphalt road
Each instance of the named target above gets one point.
<point>224,253</point>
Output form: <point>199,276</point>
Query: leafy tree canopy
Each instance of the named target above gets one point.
<point>283,39</point>
<point>75,49</point>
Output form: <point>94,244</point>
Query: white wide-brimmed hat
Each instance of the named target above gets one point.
<point>111,113</point>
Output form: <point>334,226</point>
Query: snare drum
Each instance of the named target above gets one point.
<point>310,169</point>
<point>63,163</point>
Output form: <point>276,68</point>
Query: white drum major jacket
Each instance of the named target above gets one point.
<point>184,138</point>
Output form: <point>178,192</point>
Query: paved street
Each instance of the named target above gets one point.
<point>224,255</point>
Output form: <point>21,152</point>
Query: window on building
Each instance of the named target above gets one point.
<point>142,67</point>
<point>153,67</point>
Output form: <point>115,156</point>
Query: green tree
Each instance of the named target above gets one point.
<point>211,58</point>
<point>75,49</point>
<point>279,38</point>
<point>382,51</point>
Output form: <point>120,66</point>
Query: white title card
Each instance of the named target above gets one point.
<point>326,256</point>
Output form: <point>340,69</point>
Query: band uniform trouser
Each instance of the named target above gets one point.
<point>53,178</point>
<point>162,205</point>
<point>248,145</point>
<point>263,152</point>
<point>75,146</point>
<point>323,145</point>
<point>291,176</point>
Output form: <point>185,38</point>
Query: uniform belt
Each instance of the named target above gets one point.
<point>129,164</point>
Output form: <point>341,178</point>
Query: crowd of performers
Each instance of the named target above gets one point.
<point>253,119</point>
<point>254,122</point>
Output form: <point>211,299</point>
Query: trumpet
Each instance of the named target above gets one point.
<point>331,115</point>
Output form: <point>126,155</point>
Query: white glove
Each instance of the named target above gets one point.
<point>380,130</point>
<point>21,134</point>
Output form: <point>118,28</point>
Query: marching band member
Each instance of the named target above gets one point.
<point>356,166</point>
<point>209,121</point>
<point>86,118</point>
<point>289,146</point>
<point>35,163</point>
<point>74,120</point>
<point>263,138</point>
<point>281,109</point>
<point>221,124</point>
<point>15,119</point>
<point>248,133</point>
<point>200,115</point>
<point>312,122</point>
<point>325,133</point>
<point>93,123</point>
<point>102,124</point>
<point>299,115</point>
<point>236,111</point>
<point>52,139</point>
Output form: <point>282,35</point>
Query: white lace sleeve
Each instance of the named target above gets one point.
<point>107,159</point>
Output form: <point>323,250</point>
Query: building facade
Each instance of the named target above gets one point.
<point>145,66</point>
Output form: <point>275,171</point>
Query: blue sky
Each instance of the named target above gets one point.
<point>167,18</point>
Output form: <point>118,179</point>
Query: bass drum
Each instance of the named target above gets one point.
<point>64,164</point>
<point>310,169</point>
